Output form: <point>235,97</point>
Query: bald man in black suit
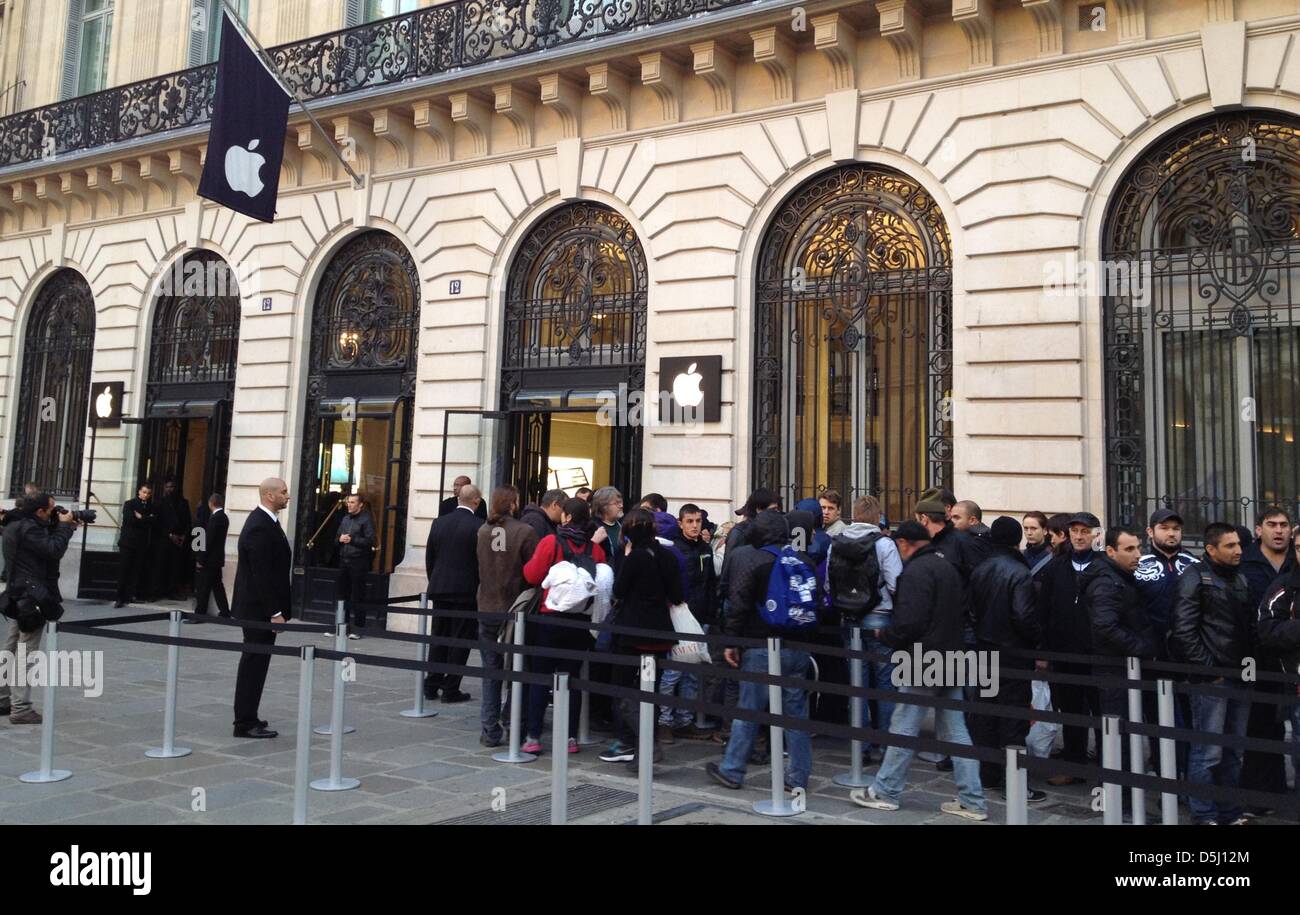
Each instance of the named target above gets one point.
<point>262,594</point>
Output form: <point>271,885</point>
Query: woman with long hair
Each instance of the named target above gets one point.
<point>647,583</point>
<point>504,545</point>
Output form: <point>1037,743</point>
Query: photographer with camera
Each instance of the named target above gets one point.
<point>33,547</point>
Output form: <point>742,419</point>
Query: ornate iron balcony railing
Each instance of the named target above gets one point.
<point>434,40</point>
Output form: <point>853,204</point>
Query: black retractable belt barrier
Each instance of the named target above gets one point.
<point>1111,776</point>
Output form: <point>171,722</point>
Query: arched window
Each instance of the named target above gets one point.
<point>54,391</point>
<point>853,350</point>
<point>193,354</point>
<point>1200,278</point>
<point>360,402</point>
<point>574,337</point>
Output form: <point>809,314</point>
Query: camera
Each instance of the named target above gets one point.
<point>84,515</point>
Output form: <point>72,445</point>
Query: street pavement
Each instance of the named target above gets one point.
<point>411,770</point>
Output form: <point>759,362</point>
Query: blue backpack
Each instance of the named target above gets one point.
<point>792,592</point>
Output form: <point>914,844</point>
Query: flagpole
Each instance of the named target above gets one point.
<point>358,180</point>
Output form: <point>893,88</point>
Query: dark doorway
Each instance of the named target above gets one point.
<point>358,425</point>
<point>574,353</point>
<point>186,418</point>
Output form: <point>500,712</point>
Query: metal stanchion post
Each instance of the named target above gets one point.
<point>1112,795</point>
<point>777,806</point>
<point>336,781</point>
<point>418,710</point>
<point>854,778</point>
<point>1136,749</point>
<point>341,646</point>
<point>645,751</point>
<point>584,711</point>
<point>169,750</point>
<point>306,675</point>
<point>1017,783</point>
<point>48,773</point>
<point>515,755</point>
<point>1168,751</point>
<point>560,760</point>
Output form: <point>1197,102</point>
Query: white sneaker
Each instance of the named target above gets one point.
<point>957,809</point>
<point>352,636</point>
<point>868,798</point>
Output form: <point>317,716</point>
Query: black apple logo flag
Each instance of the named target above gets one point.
<point>250,117</point>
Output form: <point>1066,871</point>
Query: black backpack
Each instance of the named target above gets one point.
<point>854,575</point>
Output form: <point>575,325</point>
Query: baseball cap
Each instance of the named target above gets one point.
<point>1161,515</point>
<point>1087,518</point>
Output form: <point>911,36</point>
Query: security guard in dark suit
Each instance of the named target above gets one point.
<point>212,560</point>
<point>451,560</point>
<point>140,529</point>
<point>261,594</point>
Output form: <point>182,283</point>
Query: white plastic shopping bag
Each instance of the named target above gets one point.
<point>1042,734</point>
<point>687,652</point>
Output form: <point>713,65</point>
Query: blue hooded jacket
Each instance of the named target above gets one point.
<point>666,528</point>
<point>821,541</point>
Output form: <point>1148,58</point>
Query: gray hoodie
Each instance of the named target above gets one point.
<point>891,564</point>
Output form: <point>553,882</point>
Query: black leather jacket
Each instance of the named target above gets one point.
<point>1278,628</point>
<point>1120,625</point>
<point>1212,622</point>
<point>1002,601</point>
<point>361,527</point>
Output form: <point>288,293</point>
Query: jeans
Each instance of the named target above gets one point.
<point>794,703</point>
<point>1211,764</point>
<point>490,710</point>
<point>950,727</point>
<point>877,674</point>
<point>685,684</point>
<point>678,682</point>
<point>1295,739</point>
<point>19,698</point>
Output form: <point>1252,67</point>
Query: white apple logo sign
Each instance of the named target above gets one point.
<point>243,168</point>
<point>686,388</point>
<point>104,404</point>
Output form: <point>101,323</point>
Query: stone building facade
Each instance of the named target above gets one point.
<point>1000,246</point>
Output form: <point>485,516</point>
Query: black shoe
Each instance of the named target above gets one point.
<point>944,765</point>
<point>716,773</point>
<point>118,605</point>
<point>259,732</point>
<point>1032,795</point>
<point>194,619</point>
<point>430,692</point>
<point>225,616</point>
<point>455,696</point>
<point>487,741</point>
<point>4,711</point>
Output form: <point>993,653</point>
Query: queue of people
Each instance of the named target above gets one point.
<point>941,581</point>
